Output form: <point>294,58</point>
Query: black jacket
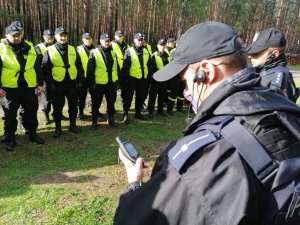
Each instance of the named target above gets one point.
<point>270,72</point>
<point>215,186</point>
<point>47,65</point>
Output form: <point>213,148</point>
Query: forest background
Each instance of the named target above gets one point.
<point>154,18</point>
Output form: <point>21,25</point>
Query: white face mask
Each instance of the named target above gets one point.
<point>194,102</point>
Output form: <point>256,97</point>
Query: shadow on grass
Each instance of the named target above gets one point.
<point>50,163</point>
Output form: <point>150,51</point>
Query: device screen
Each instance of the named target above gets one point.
<point>131,150</point>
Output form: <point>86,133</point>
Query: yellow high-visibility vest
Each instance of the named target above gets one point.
<point>58,69</point>
<point>84,58</point>
<point>149,48</point>
<point>101,74</point>
<point>159,61</point>
<point>11,67</point>
<point>119,53</point>
<point>43,48</point>
<point>136,68</point>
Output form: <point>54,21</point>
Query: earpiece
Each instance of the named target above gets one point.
<point>199,76</point>
<point>271,56</point>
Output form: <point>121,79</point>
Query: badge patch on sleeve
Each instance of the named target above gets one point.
<point>277,79</point>
<point>187,146</point>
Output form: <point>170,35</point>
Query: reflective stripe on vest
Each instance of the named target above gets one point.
<point>58,69</point>
<point>11,68</point>
<point>119,53</point>
<point>136,69</point>
<point>84,57</point>
<point>101,75</point>
<point>43,48</point>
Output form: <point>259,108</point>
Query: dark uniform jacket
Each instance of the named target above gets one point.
<point>47,65</point>
<point>20,51</point>
<point>216,186</point>
<point>277,76</point>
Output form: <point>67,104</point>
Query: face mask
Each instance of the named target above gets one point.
<point>193,101</point>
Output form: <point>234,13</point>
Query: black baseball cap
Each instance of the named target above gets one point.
<point>161,41</point>
<point>104,37</point>
<point>202,41</point>
<point>12,30</point>
<point>269,38</point>
<point>48,33</point>
<point>86,35</point>
<point>170,40</point>
<point>60,30</point>
<point>138,36</point>
<point>119,33</point>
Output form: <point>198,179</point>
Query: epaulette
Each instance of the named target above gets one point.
<point>188,145</point>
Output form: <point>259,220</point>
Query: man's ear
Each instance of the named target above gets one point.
<point>210,71</point>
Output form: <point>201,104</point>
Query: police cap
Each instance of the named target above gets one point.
<point>60,30</point>
<point>86,35</point>
<point>12,30</point>
<point>18,24</point>
<point>119,33</point>
<point>161,41</point>
<point>202,41</point>
<point>269,38</point>
<point>138,36</point>
<point>48,33</point>
<point>170,40</point>
<point>104,37</point>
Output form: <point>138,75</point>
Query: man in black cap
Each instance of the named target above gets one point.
<point>102,72</point>
<point>158,89</point>
<point>202,178</point>
<point>21,81</point>
<point>48,36</point>
<point>134,77</point>
<point>267,54</point>
<point>119,46</point>
<point>84,53</point>
<point>63,73</point>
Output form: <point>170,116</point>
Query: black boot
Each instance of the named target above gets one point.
<point>126,118</point>
<point>57,132</point>
<point>34,137</point>
<point>111,121</point>
<point>73,128</point>
<point>139,116</point>
<point>170,106</point>
<point>11,142</point>
<point>94,124</point>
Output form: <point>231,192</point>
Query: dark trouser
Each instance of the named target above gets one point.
<point>61,91</point>
<point>46,100</point>
<point>147,89</point>
<point>173,87</point>
<point>25,97</point>
<point>82,95</point>
<point>157,89</point>
<point>137,86</point>
<point>110,92</point>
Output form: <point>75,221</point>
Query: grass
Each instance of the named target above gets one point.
<point>75,179</point>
